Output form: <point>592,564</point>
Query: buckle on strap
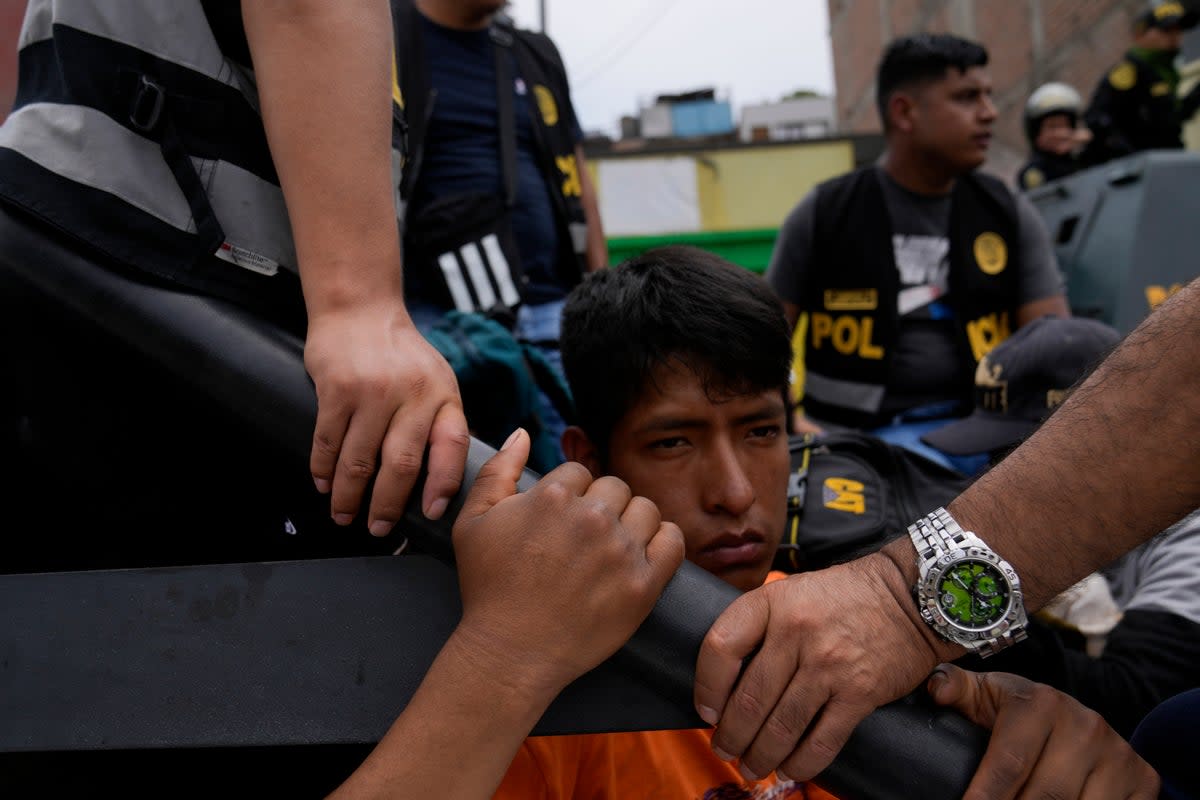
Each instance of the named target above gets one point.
<point>146,108</point>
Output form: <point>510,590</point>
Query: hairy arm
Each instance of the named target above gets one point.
<point>786,672</point>
<point>1112,467</point>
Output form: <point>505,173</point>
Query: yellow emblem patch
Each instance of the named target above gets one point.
<point>1169,10</point>
<point>991,254</point>
<point>851,299</point>
<point>1123,76</point>
<point>546,105</point>
<point>1033,178</point>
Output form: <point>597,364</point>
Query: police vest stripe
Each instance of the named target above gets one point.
<point>476,272</point>
<point>177,32</point>
<point>866,397</point>
<point>129,117</point>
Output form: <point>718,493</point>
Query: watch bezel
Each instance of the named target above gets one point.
<point>931,610</point>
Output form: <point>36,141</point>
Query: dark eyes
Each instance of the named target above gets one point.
<point>766,431</point>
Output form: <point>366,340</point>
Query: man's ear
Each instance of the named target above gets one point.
<point>578,447</point>
<point>901,107</point>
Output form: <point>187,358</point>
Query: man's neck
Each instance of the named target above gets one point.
<point>917,176</point>
<point>450,14</point>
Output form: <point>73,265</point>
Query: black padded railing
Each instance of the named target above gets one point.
<point>234,687</point>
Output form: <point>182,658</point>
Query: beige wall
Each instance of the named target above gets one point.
<point>751,187</point>
<point>757,188</point>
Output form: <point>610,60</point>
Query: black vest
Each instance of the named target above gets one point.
<point>540,67</point>
<point>137,134</point>
<point>850,294</point>
<point>1133,109</point>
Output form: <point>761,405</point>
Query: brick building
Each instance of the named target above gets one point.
<point>1030,42</point>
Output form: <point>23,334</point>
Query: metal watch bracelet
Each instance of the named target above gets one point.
<point>937,533</point>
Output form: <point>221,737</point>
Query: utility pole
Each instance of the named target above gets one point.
<point>542,15</point>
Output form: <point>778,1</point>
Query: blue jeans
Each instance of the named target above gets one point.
<point>906,431</point>
<point>543,323</point>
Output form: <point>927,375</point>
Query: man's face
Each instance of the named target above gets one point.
<point>1056,135</point>
<point>716,468</point>
<point>1169,38</point>
<point>951,119</point>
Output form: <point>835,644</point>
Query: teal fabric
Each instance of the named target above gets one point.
<point>500,379</point>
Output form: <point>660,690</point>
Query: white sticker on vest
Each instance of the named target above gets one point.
<point>246,259</point>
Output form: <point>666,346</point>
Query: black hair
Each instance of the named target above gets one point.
<point>676,304</point>
<point>922,58</point>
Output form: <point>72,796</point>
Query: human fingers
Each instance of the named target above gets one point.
<point>609,497</point>
<point>1005,705</point>
<point>828,730</point>
<point>497,478</point>
<point>449,442</point>
<point>642,516</point>
<point>333,417</point>
<point>734,636</point>
<point>359,458</point>
<point>664,553</point>
<point>1123,776</point>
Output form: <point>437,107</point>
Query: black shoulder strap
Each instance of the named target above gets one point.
<point>502,40</point>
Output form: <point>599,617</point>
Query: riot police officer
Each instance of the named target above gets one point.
<point>1052,125</point>
<point>1135,106</point>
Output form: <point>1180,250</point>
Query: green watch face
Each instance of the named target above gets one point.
<point>973,594</point>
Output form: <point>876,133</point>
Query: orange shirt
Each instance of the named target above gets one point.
<point>639,765</point>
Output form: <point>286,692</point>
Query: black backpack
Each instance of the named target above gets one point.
<point>850,492</point>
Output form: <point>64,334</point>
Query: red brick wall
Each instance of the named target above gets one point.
<point>11,14</point>
<point>1029,42</point>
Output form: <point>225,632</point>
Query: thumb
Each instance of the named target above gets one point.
<point>497,479</point>
<point>955,687</point>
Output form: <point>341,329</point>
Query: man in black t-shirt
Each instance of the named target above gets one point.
<point>903,274</point>
<point>504,236</point>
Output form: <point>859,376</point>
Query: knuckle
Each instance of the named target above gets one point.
<point>785,725</point>
<point>325,445</point>
<point>648,507</point>
<point>594,517</point>
<point>572,471</point>
<point>402,463</point>
<point>418,385</point>
<point>746,704</point>
<point>554,492</point>
<point>1009,768</point>
<point>357,467</point>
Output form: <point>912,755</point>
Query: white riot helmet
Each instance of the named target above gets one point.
<point>1047,99</point>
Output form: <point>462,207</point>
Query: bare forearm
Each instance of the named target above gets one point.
<point>323,70</point>
<point>1112,467</point>
<point>597,245</point>
<point>457,736</point>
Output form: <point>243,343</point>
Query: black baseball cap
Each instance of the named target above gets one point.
<point>1022,380</point>
<point>1168,14</point>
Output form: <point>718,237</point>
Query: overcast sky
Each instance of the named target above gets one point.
<point>620,54</point>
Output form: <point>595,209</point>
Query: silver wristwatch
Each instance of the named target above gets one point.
<point>965,591</point>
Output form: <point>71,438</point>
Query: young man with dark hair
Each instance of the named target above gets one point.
<point>680,362</point>
<point>904,273</point>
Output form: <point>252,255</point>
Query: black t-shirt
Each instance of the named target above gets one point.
<point>462,148</point>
